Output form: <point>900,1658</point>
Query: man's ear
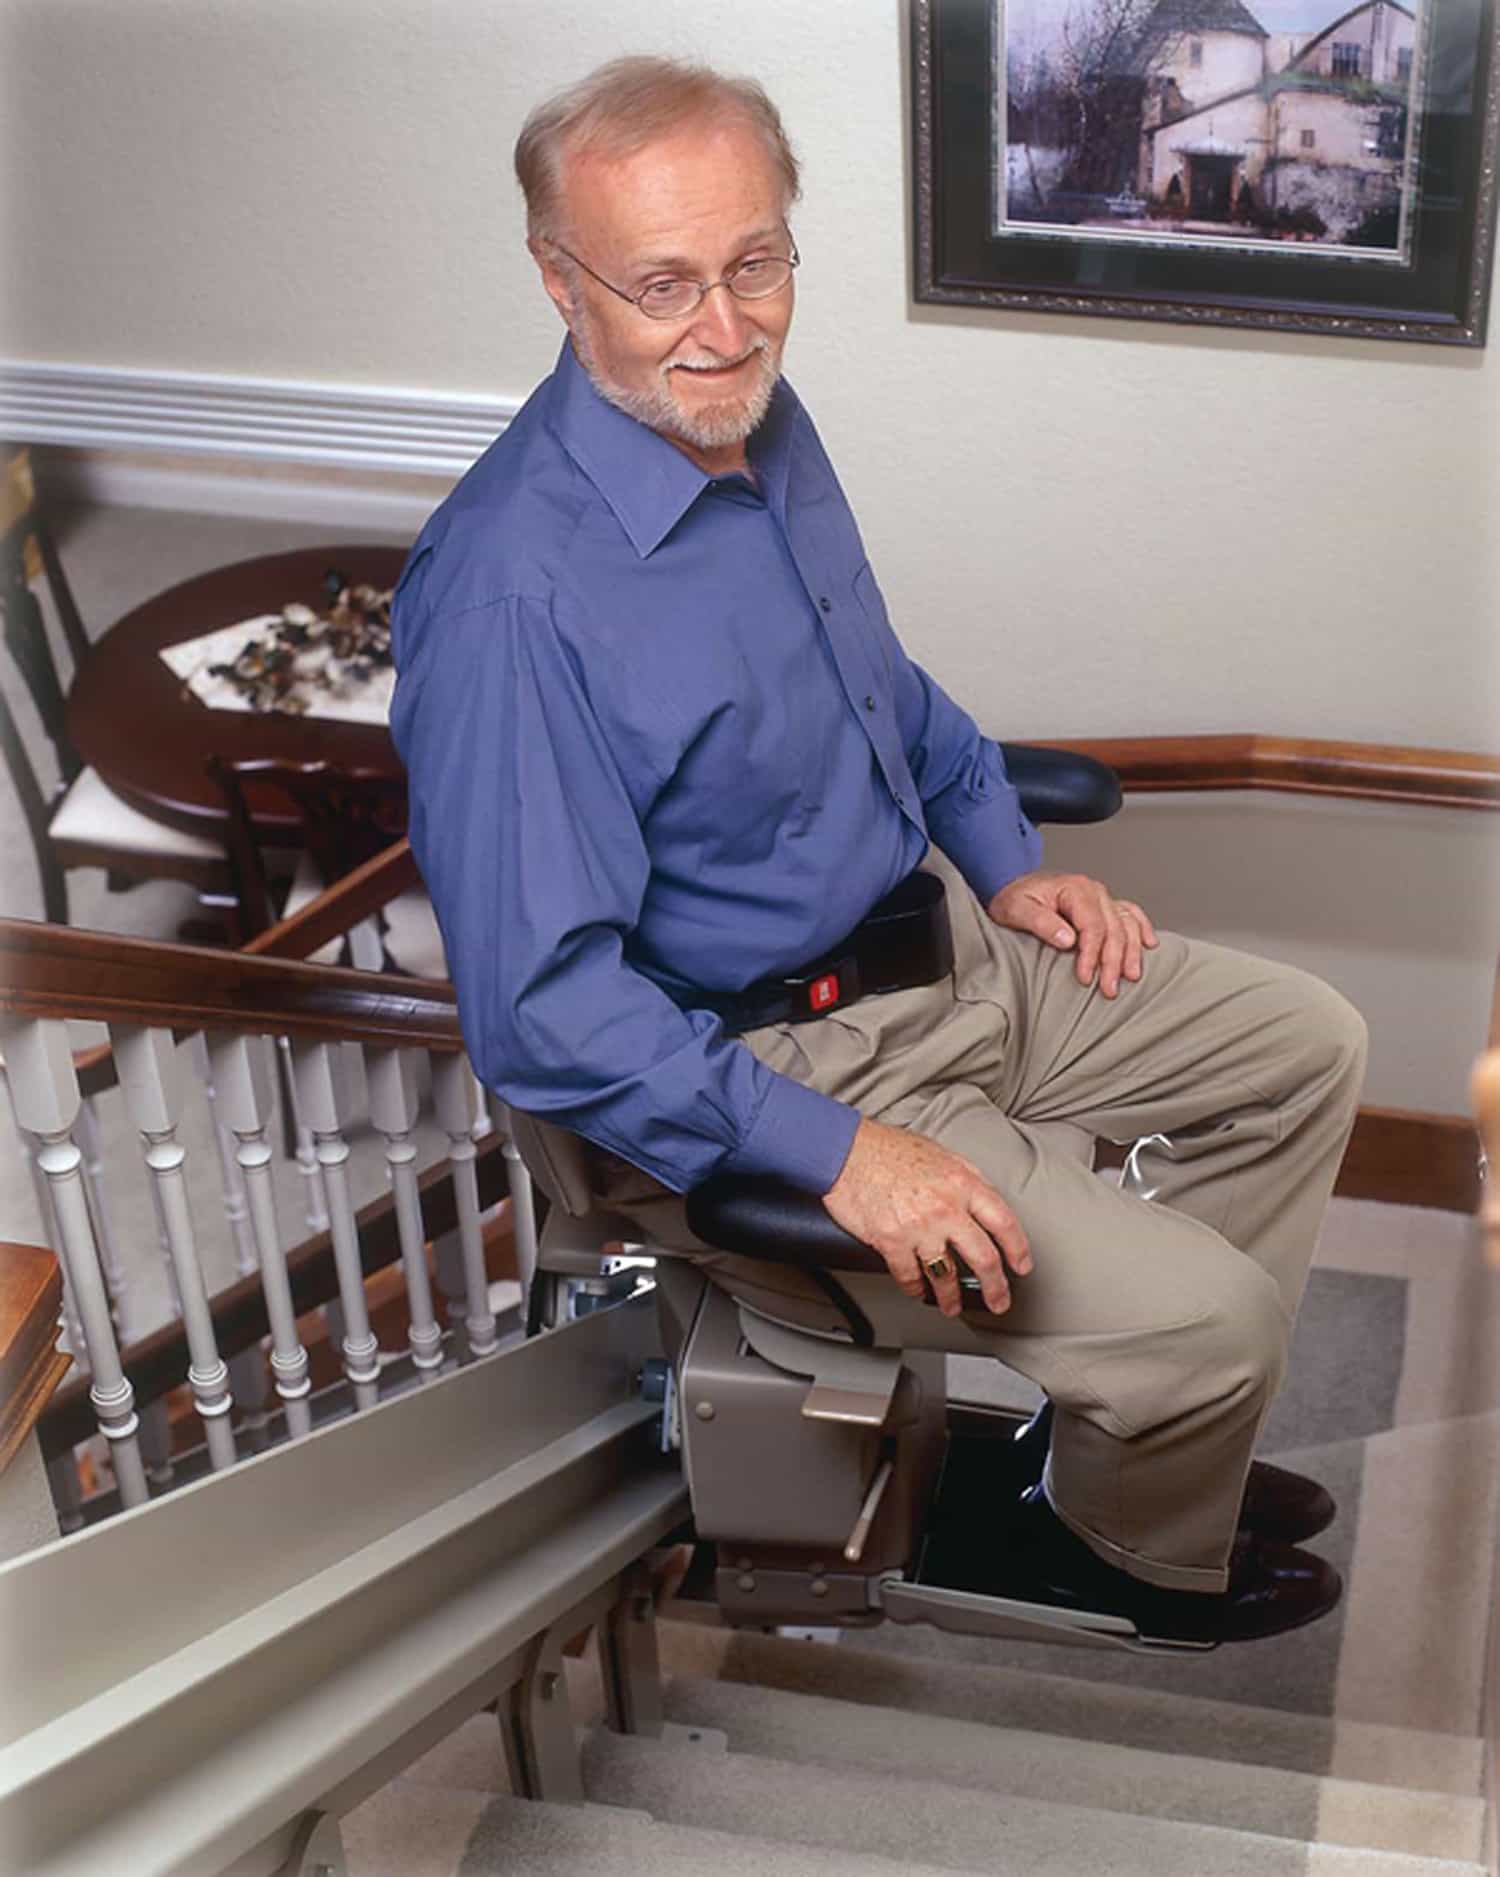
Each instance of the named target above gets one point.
<point>553,279</point>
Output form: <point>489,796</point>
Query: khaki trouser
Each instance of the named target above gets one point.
<point>1158,1315</point>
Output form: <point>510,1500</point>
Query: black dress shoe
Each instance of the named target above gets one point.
<point>1280,1505</point>
<point>1272,1587</point>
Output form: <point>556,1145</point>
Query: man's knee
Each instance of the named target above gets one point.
<point>1330,1036</point>
<point>1225,1360</point>
<point>1242,1340</point>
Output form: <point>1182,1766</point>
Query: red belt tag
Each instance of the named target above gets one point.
<point>823,993</point>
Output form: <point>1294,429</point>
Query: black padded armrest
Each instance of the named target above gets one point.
<point>1061,785</point>
<point>761,1217</point>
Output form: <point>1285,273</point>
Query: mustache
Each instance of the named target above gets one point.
<point>714,361</point>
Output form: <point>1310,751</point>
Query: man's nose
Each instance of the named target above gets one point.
<point>720,322</point>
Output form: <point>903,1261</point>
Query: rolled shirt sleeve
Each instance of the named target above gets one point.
<point>529,837</point>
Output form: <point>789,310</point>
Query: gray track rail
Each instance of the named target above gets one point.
<point>191,1683</point>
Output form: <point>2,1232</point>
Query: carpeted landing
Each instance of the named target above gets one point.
<point>1349,1749</point>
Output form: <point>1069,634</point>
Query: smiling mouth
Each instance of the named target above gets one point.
<point>715,371</point>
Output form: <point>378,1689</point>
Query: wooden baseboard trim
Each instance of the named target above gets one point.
<point>1410,1159</point>
<point>1400,1157</point>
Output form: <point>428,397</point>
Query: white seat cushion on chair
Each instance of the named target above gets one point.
<point>364,938</point>
<point>94,816</point>
<point>411,938</point>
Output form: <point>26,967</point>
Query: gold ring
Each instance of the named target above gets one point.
<point>938,1266</point>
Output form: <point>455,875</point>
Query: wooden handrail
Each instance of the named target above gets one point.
<point>55,971</point>
<point>1371,772</point>
<point>157,1362</point>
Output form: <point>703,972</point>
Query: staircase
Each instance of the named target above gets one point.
<point>783,1756</point>
<point>311,1638</point>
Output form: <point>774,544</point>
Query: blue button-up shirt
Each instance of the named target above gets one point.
<point>660,737</point>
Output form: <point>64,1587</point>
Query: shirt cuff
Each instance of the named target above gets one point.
<point>990,842</point>
<point>799,1136</point>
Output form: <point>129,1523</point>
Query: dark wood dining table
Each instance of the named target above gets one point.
<point>150,738</point>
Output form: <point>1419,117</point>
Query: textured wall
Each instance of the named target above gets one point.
<point>1088,526</point>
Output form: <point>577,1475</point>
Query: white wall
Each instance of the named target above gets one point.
<point>1095,527</point>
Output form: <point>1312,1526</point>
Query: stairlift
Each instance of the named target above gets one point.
<point>832,1478</point>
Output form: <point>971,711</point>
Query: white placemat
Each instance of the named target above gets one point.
<point>325,688</point>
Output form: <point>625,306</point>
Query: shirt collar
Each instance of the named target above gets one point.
<point>648,483</point>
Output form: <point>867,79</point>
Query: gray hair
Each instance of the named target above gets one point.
<point>619,109</point>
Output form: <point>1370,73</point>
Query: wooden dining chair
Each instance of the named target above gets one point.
<point>339,819</point>
<point>76,820</point>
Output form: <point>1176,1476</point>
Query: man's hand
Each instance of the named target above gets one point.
<point>920,1205</point>
<point>1068,910</point>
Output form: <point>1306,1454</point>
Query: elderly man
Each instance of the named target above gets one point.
<point>666,752</point>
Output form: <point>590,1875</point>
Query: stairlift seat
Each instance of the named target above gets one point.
<point>833,1477</point>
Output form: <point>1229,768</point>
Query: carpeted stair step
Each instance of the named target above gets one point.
<point>1076,1709</point>
<point>1418,1506</point>
<point>412,1831</point>
<point>921,1821</point>
<point>877,1741</point>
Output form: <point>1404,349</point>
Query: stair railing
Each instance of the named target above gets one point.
<point>154,998</point>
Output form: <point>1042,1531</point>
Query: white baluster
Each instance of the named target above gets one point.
<point>247,1374</point>
<point>164,1245</point>
<point>71,1338</point>
<point>453,1096</point>
<point>45,1087</point>
<point>116,1277</point>
<point>390,1075</point>
<point>522,1201</point>
<point>314,1199</point>
<point>156,1444</point>
<point>231,1181</point>
<point>318,1083</point>
<point>30,1147</point>
<point>149,1080</point>
<point>242,1074</point>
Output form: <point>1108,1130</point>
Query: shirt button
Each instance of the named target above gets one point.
<point>869,703</point>
<point>825,603</point>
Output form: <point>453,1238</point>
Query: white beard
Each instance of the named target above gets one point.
<point>714,427</point>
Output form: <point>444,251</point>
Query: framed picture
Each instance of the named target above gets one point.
<point>1310,165</point>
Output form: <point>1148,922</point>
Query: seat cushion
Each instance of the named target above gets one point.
<point>412,937</point>
<point>92,815</point>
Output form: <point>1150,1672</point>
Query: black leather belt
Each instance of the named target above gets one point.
<point>902,942</point>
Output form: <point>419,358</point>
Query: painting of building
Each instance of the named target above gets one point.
<point>1194,120</point>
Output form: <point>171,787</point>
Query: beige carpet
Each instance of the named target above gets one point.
<point>1351,1749</point>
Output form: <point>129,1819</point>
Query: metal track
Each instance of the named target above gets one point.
<point>186,1684</point>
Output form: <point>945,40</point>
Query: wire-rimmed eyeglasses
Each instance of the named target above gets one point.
<point>675,297</point>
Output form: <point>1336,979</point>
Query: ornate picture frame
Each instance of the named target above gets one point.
<point>1320,166</point>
